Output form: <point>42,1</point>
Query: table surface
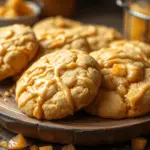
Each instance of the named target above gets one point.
<point>95,16</point>
<point>5,134</point>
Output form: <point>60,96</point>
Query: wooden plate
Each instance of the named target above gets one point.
<point>79,129</point>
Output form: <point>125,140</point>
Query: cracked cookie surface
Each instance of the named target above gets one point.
<point>57,22</point>
<point>97,36</point>
<point>103,37</point>
<point>58,84</point>
<point>18,45</point>
<point>125,89</point>
<point>51,41</point>
<point>86,38</point>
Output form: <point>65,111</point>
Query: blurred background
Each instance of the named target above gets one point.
<point>102,12</point>
<point>88,11</point>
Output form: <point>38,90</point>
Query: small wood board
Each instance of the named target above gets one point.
<point>79,129</point>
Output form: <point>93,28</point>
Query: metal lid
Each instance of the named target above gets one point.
<point>124,4</point>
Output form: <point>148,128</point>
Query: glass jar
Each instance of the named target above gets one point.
<point>58,7</point>
<point>136,19</point>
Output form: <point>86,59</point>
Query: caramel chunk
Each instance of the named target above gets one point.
<point>139,143</point>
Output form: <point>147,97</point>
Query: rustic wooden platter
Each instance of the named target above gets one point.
<point>79,129</point>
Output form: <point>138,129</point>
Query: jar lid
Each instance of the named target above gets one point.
<point>135,9</point>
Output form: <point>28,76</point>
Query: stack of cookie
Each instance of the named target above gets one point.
<point>67,66</point>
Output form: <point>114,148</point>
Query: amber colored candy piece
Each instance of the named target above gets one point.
<point>17,142</point>
<point>139,143</point>
<point>33,147</point>
<point>46,148</point>
<point>68,147</point>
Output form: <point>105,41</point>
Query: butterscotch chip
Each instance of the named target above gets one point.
<point>46,148</point>
<point>57,22</point>
<point>58,84</point>
<point>18,46</point>
<point>17,142</point>
<point>33,147</point>
<point>119,70</point>
<point>11,90</point>
<point>139,143</point>
<point>7,94</point>
<point>125,90</point>
<point>68,147</point>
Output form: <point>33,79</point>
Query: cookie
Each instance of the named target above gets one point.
<point>125,89</point>
<point>18,45</point>
<point>51,41</point>
<point>97,36</point>
<point>57,22</point>
<point>58,84</point>
<point>102,37</point>
<point>76,38</point>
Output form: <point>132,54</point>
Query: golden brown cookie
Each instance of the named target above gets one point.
<point>102,37</point>
<point>58,84</point>
<point>97,36</point>
<point>125,90</point>
<point>51,41</point>
<point>18,46</point>
<point>57,22</point>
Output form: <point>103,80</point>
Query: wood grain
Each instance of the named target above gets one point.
<point>79,129</point>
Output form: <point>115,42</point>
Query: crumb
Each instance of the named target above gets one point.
<point>12,89</point>
<point>68,147</point>
<point>7,94</point>
<point>4,144</point>
<point>33,147</point>
<point>139,143</point>
<point>5,100</point>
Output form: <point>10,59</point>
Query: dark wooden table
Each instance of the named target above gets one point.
<point>5,134</point>
<point>88,14</point>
